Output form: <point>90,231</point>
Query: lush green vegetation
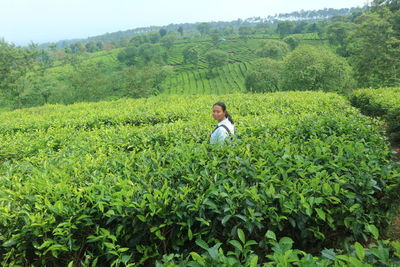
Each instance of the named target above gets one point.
<point>308,180</point>
<point>305,68</point>
<point>384,103</point>
<point>360,49</point>
<point>135,181</point>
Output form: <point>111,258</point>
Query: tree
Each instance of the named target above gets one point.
<point>150,53</point>
<point>264,76</point>
<point>15,63</point>
<point>163,32</point>
<point>168,41</point>
<point>263,27</point>
<point>91,47</point>
<point>138,40</point>
<point>273,49</point>
<point>312,68</point>
<point>153,37</point>
<point>180,30</point>
<point>100,45</point>
<point>293,41</point>
<point>53,47</point>
<point>216,58</point>
<point>338,33</point>
<point>375,50</point>
<point>44,58</point>
<point>71,59</point>
<point>77,48</point>
<point>245,31</point>
<point>317,27</point>
<point>204,28</point>
<point>38,88</point>
<point>129,56</point>
<point>227,31</point>
<point>145,82</point>
<point>300,27</point>
<point>393,5</point>
<point>41,56</point>
<point>87,82</point>
<point>285,28</point>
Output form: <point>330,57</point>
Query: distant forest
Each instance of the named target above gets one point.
<point>303,15</point>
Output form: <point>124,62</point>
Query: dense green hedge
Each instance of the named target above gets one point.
<point>82,183</point>
<point>241,253</point>
<point>383,102</point>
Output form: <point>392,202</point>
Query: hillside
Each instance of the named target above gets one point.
<point>185,78</point>
<point>337,55</point>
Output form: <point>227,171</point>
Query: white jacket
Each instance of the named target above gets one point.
<point>219,135</point>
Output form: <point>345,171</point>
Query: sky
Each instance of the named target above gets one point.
<point>39,21</point>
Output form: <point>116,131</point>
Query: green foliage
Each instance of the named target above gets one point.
<point>87,82</point>
<point>293,41</point>
<point>15,63</point>
<point>245,31</point>
<point>273,49</point>
<point>92,47</point>
<point>191,55</point>
<point>228,79</point>
<point>338,34</point>
<point>129,56</point>
<point>264,76</point>
<point>311,68</point>
<point>368,40</point>
<point>285,28</point>
<point>144,82</point>
<point>384,103</point>
<point>168,41</point>
<point>150,54</point>
<point>135,181</point>
<point>180,30</point>
<point>153,37</point>
<point>385,253</point>
<point>216,58</point>
<point>163,32</point>
<point>376,50</point>
<point>204,28</point>
<point>394,5</point>
<point>37,90</point>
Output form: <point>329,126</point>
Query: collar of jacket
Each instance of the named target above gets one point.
<point>222,122</point>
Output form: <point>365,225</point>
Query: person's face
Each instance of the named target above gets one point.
<point>218,113</point>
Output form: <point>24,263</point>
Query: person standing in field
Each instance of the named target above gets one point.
<point>225,124</point>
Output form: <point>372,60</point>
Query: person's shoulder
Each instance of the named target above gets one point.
<point>225,122</point>
<point>229,124</point>
<point>226,128</point>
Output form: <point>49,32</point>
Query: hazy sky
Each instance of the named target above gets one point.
<point>22,21</point>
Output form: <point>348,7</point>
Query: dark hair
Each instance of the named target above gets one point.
<point>223,106</point>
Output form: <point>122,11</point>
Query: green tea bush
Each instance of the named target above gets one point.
<point>83,184</point>
<point>383,102</point>
<point>242,253</point>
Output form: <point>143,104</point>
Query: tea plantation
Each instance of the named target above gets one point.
<point>135,182</point>
<point>384,103</point>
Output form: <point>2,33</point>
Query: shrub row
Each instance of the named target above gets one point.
<point>383,102</point>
